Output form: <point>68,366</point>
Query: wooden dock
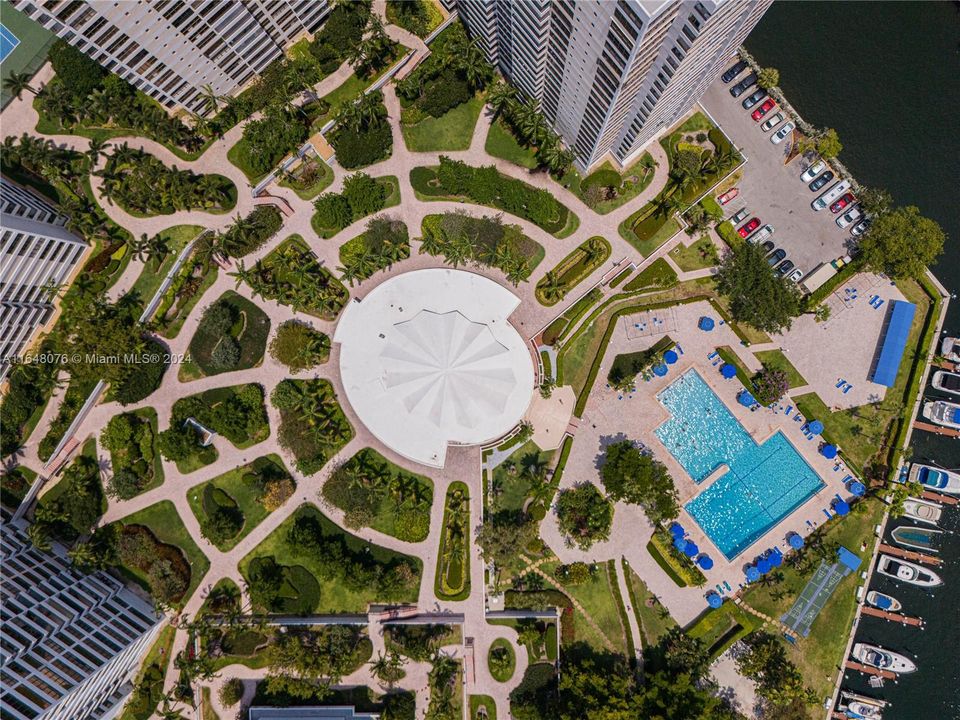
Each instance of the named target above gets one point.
<point>937,497</point>
<point>909,555</point>
<point>885,674</point>
<point>936,429</point>
<point>895,617</point>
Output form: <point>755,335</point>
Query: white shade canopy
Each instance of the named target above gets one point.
<point>429,358</point>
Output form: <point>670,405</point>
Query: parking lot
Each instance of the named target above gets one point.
<point>773,191</point>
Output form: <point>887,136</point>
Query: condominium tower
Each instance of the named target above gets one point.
<point>609,76</point>
<point>70,643</point>
<point>171,49</point>
<point>37,255</point>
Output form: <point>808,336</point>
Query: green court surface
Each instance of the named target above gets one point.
<point>31,51</point>
<point>814,596</point>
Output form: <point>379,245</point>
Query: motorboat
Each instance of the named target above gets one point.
<point>943,413</point>
<point>935,479</point>
<point>883,659</point>
<point>918,538</point>
<point>907,572</point>
<point>882,601</point>
<point>950,349</point>
<point>946,381</point>
<point>922,510</point>
<point>860,706</point>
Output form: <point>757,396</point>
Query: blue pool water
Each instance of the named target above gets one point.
<point>8,41</point>
<point>765,482</point>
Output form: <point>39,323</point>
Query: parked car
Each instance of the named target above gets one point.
<point>740,215</point>
<point>748,227</point>
<point>784,267</point>
<point>860,228</point>
<point>728,196</point>
<point>796,275</point>
<point>849,217</point>
<point>767,247</point>
<point>767,106</point>
<point>733,71</point>
<point>840,204</point>
<point>753,99</point>
<point>830,195</point>
<point>773,121</point>
<point>761,234</point>
<point>811,172</point>
<point>776,256</point>
<point>780,134</point>
<point>822,180</point>
<point>741,87</point>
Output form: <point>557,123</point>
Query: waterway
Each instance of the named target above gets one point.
<point>886,76</point>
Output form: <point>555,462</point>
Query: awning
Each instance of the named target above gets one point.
<point>816,427</point>
<point>705,323</point>
<point>829,451</point>
<point>894,342</point>
<point>728,371</point>
<point>670,357</point>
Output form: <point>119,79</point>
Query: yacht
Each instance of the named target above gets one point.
<point>882,601</point>
<point>935,479</point>
<point>882,659</point>
<point>950,349</point>
<point>943,413</point>
<point>907,572</point>
<point>946,381</point>
<point>918,538</point>
<point>922,510</point>
<point>861,706</point>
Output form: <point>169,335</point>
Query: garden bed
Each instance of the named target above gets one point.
<point>308,179</point>
<point>452,580</point>
<point>231,323</point>
<point>572,270</point>
<point>292,275</point>
<point>313,427</point>
<point>236,412</point>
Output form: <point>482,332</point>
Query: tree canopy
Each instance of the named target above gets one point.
<point>757,296</point>
<point>902,243</point>
<point>636,478</point>
<point>585,515</point>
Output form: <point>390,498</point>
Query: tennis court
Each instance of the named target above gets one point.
<point>23,46</point>
<point>8,42</point>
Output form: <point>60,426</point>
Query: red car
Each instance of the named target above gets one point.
<point>842,202</point>
<point>728,196</point>
<point>748,227</point>
<point>767,106</point>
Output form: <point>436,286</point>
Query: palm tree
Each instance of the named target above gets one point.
<point>667,204</point>
<point>157,248</point>
<point>16,83</point>
<point>551,288</point>
<point>210,98</point>
<point>138,247</point>
<point>96,149</point>
<point>39,538</point>
<point>499,97</point>
<point>242,275</point>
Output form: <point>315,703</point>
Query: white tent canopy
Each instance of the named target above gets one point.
<point>429,358</point>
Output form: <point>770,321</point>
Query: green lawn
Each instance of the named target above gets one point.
<point>596,597</point>
<point>501,144</point>
<point>348,90</point>
<point>201,458</point>
<point>482,701</point>
<point>167,527</point>
<point>152,274</point>
<point>502,674</point>
<point>653,619</point>
<point>242,485</point>
<point>647,247</point>
<point>633,181</point>
<point>511,488</point>
<point>719,629</point>
<point>778,361</point>
<point>250,330</point>
<point>452,131</point>
<point>238,155</point>
<point>334,595</point>
<point>308,191</point>
<point>696,256</point>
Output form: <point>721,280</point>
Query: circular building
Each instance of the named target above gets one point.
<point>429,358</point>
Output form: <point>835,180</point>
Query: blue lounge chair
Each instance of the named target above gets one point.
<point>841,383</point>
<point>847,389</point>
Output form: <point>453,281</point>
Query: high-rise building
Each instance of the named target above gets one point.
<point>37,255</point>
<point>170,49</point>
<point>609,76</point>
<point>70,643</point>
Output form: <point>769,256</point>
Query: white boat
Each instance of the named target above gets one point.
<point>943,413</point>
<point>922,510</point>
<point>946,381</point>
<point>882,601</point>
<point>950,349</point>
<point>860,706</point>
<point>935,479</point>
<point>882,659</point>
<point>907,572</point>
<point>918,538</point>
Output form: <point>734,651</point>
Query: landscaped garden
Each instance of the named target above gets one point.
<point>573,269</point>
<point>362,135</point>
<point>312,425</point>
<point>383,243</point>
<point>697,255</point>
<point>158,254</point>
<point>309,564</point>
<point>70,509</point>
<point>361,196</point>
<point>501,660</point>
<point>605,189</point>
<point>309,178</point>
<point>373,492</point>
<point>453,559</point>
<point>421,17</point>
<point>421,641</point>
<point>232,335</point>
<point>229,506</point>
<point>299,346</point>
<point>131,440</point>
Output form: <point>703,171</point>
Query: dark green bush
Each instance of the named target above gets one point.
<point>366,147</point>
<point>604,177</point>
<point>78,72</point>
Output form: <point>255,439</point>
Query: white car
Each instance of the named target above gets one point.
<point>762,234</point>
<point>811,172</point>
<point>740,215</point>
<point>773,122</point>
<point>780,134</point>
<point>850,216</point>
<point>796,275</point>
<point>860,228</point>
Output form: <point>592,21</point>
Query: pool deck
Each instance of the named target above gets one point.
<point>608,419</point>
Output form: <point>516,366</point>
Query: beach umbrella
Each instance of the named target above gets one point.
<point>746,399</point>
<point>829,451</point>
<point>714,600</point>
<point>776,559</point>
<point>705,324</point>
<point>816,427</point>
<point>840,507</point>
<point>763,566</point>
<point>660,370</point>
<point>752,574</point>
<point>691,549</point>
<point>728,371</point>
<point>676,529</point>
<point>670,357</point>
<point>857,488</point>
<point>796,542</point>
<point>680,544</point>
<point>705,561</point>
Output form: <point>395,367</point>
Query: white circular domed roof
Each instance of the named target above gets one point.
<point>429,358</point>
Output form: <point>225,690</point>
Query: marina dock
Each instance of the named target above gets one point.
<point>936,429</point>
<point>909,555</point>
<point>885,674</point>
<point>894,617</point>
<point>937,497</point>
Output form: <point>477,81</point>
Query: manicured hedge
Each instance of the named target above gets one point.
<point>680,568</point>
<point>573,269</point>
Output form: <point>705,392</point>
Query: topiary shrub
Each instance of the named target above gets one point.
<point>226,355</point>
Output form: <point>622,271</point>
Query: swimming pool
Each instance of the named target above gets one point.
<point>8,42</point>
<point>764,484</point>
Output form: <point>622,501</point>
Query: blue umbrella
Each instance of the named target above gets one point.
<point>857,488</point>
<point>840,507</point>
<point>776,558</point>
<point>746,399</point>
<point>829,451</point>
<point>660,370</point>
<point>752,574</point>
<point>796,542</point>
<point>816,427</point>
<point>691,549</point>
<point>680,544</point>
<point>728,371</point>
<point>763,566</point>
<point>676,529</point>
<point>705,324</point>
<point>714,600</point>
<point>705,561</point>
<point>670,357</point>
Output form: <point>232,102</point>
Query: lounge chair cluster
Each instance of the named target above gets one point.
<point>846,387</point>
<point>875,302</point>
